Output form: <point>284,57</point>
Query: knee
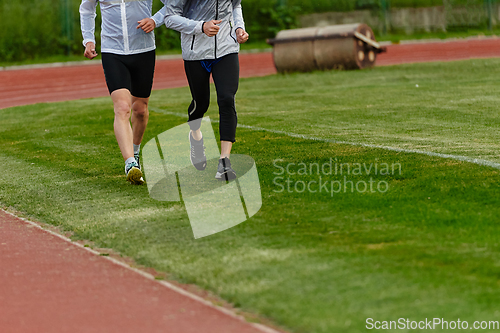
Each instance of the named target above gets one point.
<point>122,109</point>
<point>140,109</point>
<point>199,106</point>
<point>226,101</point>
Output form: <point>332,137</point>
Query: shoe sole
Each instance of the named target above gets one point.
<point>199,166</point>
<point>227,176</point>
<point>134,176</point>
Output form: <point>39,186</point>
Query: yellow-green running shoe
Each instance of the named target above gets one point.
<point>134,173</point>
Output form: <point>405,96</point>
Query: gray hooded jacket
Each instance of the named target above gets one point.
<point>119,33</point>
<point>188,16</point>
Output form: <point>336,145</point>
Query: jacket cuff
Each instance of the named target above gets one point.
<point>159,19</point>
<point>157,24</point>
<point>85,41</point>
<point>199,28</point>
<point>235,29</point>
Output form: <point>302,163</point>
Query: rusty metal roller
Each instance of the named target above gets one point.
<point>348,46</point>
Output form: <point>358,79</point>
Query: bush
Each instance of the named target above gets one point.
<point>38,28</point>
<point>29,27</point>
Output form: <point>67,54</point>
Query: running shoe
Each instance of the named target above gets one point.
<point>134,173</point>
<point>198,158</point>
<point>224,170</point>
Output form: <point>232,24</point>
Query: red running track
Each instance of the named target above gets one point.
<point>50,285</point>
<point>64,83</point>
<point>473,48</point>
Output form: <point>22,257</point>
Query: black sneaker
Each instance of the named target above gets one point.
<point>136,156</point>
<point>198,158</point>
<point>224,170</point>
<point>134,173</point>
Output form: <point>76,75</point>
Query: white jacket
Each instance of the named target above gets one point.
<point>119,33</point>
<point>188,16</point>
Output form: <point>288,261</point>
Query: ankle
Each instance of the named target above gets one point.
<point>129,160</point>
<point>196,135</point>
<point>137,149</point>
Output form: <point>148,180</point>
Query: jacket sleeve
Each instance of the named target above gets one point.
<point>159,17</point>
<point>87,20</point>
<point>175,20</point>
<point>238,17</point>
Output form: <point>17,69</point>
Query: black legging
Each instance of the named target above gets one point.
<point>226,75</point>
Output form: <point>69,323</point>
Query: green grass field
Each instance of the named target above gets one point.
<point>310,262</point>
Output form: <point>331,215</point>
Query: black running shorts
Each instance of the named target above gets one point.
<point>133,72</point>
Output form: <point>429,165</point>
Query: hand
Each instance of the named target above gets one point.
<point>147,25</point>
<point>211,28</point>
<point>241,35</point>
<point>90,51</point>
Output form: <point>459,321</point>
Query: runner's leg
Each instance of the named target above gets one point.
<point>140,117</point>
<point>142,68</point>
<point>199,84</point>
<point>226,78</point>
<point>118,80</point>
<point>122,102</point>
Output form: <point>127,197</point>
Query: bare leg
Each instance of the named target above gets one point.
<point>197,135</point>
<point>140,117</point>
<point>122,101</point>
<point>225,148</point>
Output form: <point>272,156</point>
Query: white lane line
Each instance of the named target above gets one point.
<point>148,276</point>
<point>366,145</point>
